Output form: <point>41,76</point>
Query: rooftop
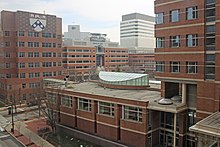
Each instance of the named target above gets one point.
<point>209,126</point>
<point>94,88</point>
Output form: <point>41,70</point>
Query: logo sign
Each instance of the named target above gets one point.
<point>38,22</point>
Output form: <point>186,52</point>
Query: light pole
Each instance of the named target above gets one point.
<point>12,118</point>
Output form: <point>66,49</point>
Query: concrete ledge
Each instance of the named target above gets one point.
<point>89,137</point>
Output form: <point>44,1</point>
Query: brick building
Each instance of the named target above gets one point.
<point>83,62</point>
<point>116,108</point>
<point>30,45</point>
<point>142,63</point>
<point>186,55</point>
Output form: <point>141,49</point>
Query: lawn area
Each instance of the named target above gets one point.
<point>65,140</point>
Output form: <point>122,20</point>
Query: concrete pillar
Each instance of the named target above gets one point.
<point>174,131</point>
<point>183,93</point>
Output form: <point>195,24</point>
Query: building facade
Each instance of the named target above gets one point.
<point>30,45</point>
<point>74,37</point>
<point>186,54</point>
<point>118,113</point>
<point>84,62</point>
<point>137,33</point>
<point>142,63</point>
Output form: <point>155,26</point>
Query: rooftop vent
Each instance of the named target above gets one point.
<point>165,101</point>
<point>176,98</point>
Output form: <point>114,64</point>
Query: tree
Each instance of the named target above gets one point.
<point>48,103</point>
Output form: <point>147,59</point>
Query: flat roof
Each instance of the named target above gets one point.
<point>209,125</point>
<point>94,88</point>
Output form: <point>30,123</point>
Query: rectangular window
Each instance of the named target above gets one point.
<point>23,85</point>
<point>21,33</point>
<point>30,44</point>
<point>66,101</point>
<point>160,42</point>
<point>160,66</point>
<point>30,54</point>
<point>36,34</point>
<point>7,44</point>
<point>106,108</point>
<point>54,63</point>
<point>47,74</point>
<point>7,54</point>
<point>192,40</point>
<point>30,34</point>
<point>132,113</point>
<point>21,54</point>
<point>21,44</point>
<point>160,18</point>
<point>191,13</point>
<point>192,67</point>
<point>36,44</point>
<point>22,75</point>
<point>175,67</point>
<point>7,65</point>
<point>175,41</point>
<point>22,65</point>
<point>84,104</point>
<point>7,33</point>
<point>174,15</point>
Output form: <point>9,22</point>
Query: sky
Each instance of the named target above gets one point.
<point>96,16</point>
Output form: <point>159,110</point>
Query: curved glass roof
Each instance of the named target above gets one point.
<point>119,76</point>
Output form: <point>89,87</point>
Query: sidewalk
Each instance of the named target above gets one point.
<point>30,136</point>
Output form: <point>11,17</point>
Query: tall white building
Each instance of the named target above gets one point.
<point>137,33</point>
<point>76,38</point>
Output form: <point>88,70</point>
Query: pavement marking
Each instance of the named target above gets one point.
<point>4,136</point>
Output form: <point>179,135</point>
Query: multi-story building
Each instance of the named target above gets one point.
<point>30,45</point>
<point>142,63</point>
<point>186,54</point>
<point>137,33</point>
<point>83,62</point>
<point>74,37</point>
<point>115,108</point>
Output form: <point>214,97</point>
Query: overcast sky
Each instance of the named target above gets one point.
<point>101,16</point>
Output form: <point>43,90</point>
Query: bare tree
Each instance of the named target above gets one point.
<point>48,104</point>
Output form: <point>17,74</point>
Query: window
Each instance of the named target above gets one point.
<point>47,74</point>
<point>8,76</point>
<point>66,101</point>
<point>191,13</point>
<point>36,44</point>
<point>36,54</point>
<point>174,15</point>
<point>22,75</point>
<point>21,44</point>
<point>46,54</point>
<point>59,73</point>
<point>132,113</point>
<point>54,54</point>
<point>84,104</point>
<point>21,33</point>
<point>175,67</point>
<point>30,54</point>
<point>54,63</point>
<point>7,65</point>
<point>46,64</point>
<point>192,40</point>
<point>7,55</point>
<point>22,65</point>
<point>160,42</point>
<point>175,41</point>
<point>23,85</point>
<point>36,34</point>
<point>7,33</point>
<point>21,54</point>
<point>160,66</point>
<point>7,44</point>
<point>30,34</point>
<point>191,67</point>
<point>106,108</point>
<point>54,73</point>
<point>159,18</point>
<point>30,44</point>
<point>34,75</point>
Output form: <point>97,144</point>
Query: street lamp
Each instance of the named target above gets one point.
<point>12,118</point>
